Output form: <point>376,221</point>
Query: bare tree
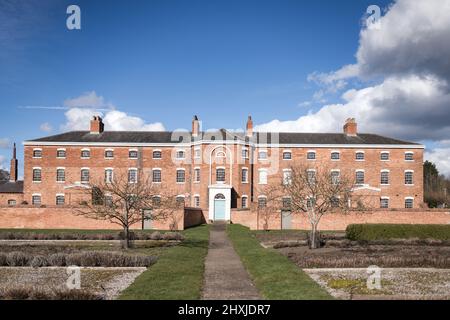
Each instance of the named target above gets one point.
<point>269,203</point>
<point>320,191</point>
<point>123,201</point>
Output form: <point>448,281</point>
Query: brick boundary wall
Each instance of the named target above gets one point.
<point>193,217</point>
<point>22,217</point>
<point>338,222</point>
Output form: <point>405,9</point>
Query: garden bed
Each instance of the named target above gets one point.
<point>398,283</point>
<point>50,283</point>
<point>362,256</point>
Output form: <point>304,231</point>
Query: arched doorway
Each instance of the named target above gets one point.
<point>219,207</point>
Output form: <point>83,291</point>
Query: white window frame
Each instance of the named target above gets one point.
<point>287,179</point>
<point>263,151</point>
<point>199,150</point>
<point>339,177</point>
<point>137,172</point>
<point>32,175</point>
<point>81,153</point>
<point>242,175</point>
<point>311,151</point>
<point>61,149</point>
<point>37,149</point>
<point>388,202</point>
<point>60,195</point>
<point>411,153</point>
<point>112,175</point>
<point>266,175</point>
<point>176,175</point>
<point>133,150</point>
<point>286,151</point>
<point>153,177</point>
<point>195,197</point>
<point>184,154</point>
<point>57,169</point>
<point>197,178</point>
<point>36,195</point>
<point>81,175</point>
<point>364,173</point>
<point>385,152</point>
<point>109,150</point>
<point>331,155</point>
<point>153,154</point>
<point>246,201</point>
<point>262,197</point>
<point>358,152</point>
<point>409,171</point>
<point>247,154</point>
<point>389,177</point>
<point>315,174</point>
<point>224,177</point>
<point>409,198</point>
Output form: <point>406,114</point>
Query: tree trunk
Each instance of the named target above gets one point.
<point>126,240</point>
<point>313,240</point>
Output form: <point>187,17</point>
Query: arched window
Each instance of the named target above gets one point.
<point>219,196</point>
<point>220,175</point>
<point>221,154</point>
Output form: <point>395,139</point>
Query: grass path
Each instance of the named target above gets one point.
<point>178,274</point>
<point>275,276</point>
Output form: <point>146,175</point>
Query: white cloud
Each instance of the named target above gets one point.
<point>408,61</point>
<point>441,156</point>
<point>46,127</point>
<point>3,164</point>
<point>83,108</point>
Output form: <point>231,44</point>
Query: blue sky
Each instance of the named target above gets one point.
<point>164,61</point>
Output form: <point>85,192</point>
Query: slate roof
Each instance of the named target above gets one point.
<point>166,137</point>
<point>11,187</point>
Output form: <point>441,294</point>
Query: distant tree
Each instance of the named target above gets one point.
<point>4,175</point>
<point>436,186</point>
<point>123,202</point>
<point>317,192</point>
<point>269,204</point>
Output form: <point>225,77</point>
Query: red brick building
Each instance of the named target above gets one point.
<point>220,172</point>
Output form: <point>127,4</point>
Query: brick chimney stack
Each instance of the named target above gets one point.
<point>195,127</point>
<point>97,125</point>
<point>350,127</point>
<point>249,128</point>
<point>14,166</point>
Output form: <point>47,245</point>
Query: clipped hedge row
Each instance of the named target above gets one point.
<point>82,259</point>
<point>20,235</point>
<point>368,232</point>
<point>26,293</point>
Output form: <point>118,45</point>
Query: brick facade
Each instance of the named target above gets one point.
<point>209,153</point>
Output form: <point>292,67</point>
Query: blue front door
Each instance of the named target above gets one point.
<point>219,209</point>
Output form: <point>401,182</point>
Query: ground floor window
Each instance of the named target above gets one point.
<point>36,200</point>
<point>60,200</point>
<point>197,201</point>
<point>244,202</point>
<point>409,203</point>
<point>12,203</point>
<point>384,203</point>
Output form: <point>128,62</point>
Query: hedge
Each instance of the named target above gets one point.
<point>367,232</point>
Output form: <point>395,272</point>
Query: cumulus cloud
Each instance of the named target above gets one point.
<point>407,63</point>
<point>46,127</point>
<point>83,108</point>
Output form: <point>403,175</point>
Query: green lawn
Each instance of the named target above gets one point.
<point>275,276</point>
<point>178,274</point>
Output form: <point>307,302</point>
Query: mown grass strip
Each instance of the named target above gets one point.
<point>178,274</point>
<point>275,276</point>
